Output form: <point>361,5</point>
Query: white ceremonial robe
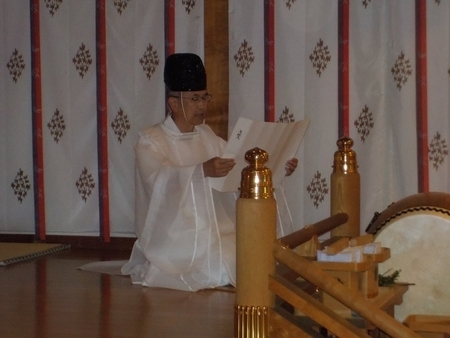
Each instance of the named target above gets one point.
<point>186,230</point>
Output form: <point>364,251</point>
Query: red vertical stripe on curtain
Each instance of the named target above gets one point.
<point>36,102</point>
<point>343,68</point>
<point>169,29</point>
<point>269,61</point>
<point>102,121</point>
<point>421,95</point>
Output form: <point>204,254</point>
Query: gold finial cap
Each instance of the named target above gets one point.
<point>345,158</point>
<point>256,179</point>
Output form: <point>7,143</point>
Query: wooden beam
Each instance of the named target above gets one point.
<point>313,309</point>
<point>283,324</point>
<point>216,64</point>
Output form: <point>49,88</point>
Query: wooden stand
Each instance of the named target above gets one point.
<point>361,277</point>
<point>429,326</point>
<point>374,315</point>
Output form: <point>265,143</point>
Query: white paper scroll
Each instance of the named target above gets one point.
<point>280,140</point>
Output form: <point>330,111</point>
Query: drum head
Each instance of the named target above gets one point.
<point>420,247</point>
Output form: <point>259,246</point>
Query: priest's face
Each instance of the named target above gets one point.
<point>189,109</point>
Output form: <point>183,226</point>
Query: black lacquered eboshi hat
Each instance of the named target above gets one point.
<point>184,72</point>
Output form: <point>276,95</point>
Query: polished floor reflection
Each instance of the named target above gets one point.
<point>50,297</point>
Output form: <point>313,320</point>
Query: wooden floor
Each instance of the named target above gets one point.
<point>49,298</point>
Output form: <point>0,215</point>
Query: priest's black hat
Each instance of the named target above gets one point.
<point>184,72</point>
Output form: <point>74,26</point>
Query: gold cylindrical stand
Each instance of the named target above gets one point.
<point>345,189</point>
<point>256,217</point>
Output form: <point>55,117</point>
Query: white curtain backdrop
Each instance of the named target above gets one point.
<point>68,54</point>
<point>321,107</point>
<point>246,60</point>
<point>189,27</point>
<point>16,142</point>
<point>382,113</point>
<point>135,60</point>
<point>438,39</point>
<point>388,154</point>
<point>290,100</point>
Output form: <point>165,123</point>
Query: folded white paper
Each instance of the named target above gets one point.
<point>280,140</point>
<point>352,254</point>
<point>372,248</point>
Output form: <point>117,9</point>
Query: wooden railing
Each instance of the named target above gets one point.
<point>314,313</point>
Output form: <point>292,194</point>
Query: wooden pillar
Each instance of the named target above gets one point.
<point>216,64</point>
<point>345,189</point>
<point>256,229</point>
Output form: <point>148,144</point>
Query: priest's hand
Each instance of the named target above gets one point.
<point>291,165</point>
<point>218,167</point>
